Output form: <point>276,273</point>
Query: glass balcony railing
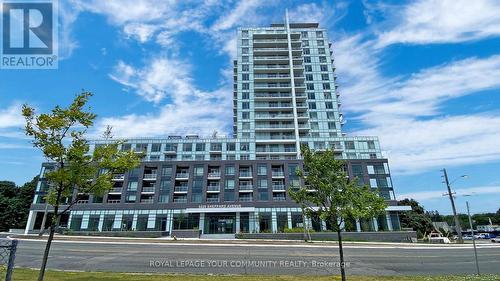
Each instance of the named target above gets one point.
<point>182,175</point>
<point>213,188</point>
<point>279,187</point>
<point>245,174</point>
<point>212,200</point>
<point>246,199</point>
<point>180,200</point>
<point>180,189</point>
<point>148,189</point>
<point>246,187</point>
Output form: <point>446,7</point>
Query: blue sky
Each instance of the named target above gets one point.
<point>422,75</point>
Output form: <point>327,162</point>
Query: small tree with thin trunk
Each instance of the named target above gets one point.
<point>330,193</point>
<point>60,135</point>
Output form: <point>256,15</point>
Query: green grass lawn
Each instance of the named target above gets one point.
<point>21,274</point>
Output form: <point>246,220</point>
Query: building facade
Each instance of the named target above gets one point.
<point>285,95</point>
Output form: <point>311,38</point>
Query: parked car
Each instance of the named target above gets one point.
<point>467,237</point>
<point>438,239</point>
<point>495,240</point>
<point>486,235</point>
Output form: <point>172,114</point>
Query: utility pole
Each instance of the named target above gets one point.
<point>452,200</point>
<point>473,238</point>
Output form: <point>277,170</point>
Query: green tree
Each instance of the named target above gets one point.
<point>416,219</point>
<point>335,196</point>
<point>61,136</point>
<point>15,203</point>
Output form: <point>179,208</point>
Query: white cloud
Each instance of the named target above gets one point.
<point>406,112</point>
<point>441,21</point>
<point>434,194</point>
<point>11,116</point>
<point>190,110</point>
<point>327,13</point>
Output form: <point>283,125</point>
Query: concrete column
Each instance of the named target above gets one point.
<point>238,227</point>
<point>202,223</point>
<point>358,226</point>
<point>274,221</point>
<point>85,221</point>
<point>256,222</point>
<point>101,222</point>
<point>169,222</point>
<point>375,224</point>
<point>389,221</point>
<point>30,223</point>
<point>151,221</point>
<point>289,218</point>
<point>323,225</point>
<point>134,222</point>
<point>117,224</point>
<point>342,224</point>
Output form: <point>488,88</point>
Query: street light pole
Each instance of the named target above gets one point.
<point>473,238</point>
<point>457,221</point>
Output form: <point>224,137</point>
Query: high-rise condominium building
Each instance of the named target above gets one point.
<point>285,96</point>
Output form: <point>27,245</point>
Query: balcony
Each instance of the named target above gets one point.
<point>150,189</point>
<point>213,188</point>
<point>279,198</point>
<point>246,199</point>
<point>245,174</point>
<point>147,201</point>
<point>246,188</point>
<point>214,175</point>
<point>180,200</point>
<point>279,187</point>
<point>118,177</point>
<point>182,175</point>
<point>151,177</point>
<point>213,200</point>
<point>116,190</point>
<point>278,174</point>
<point>181,189</point>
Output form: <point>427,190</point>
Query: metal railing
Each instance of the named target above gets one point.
<point>8,249</point>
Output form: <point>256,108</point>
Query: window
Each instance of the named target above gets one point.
<point>196,198</point>
<point>130,198</point>
<point>311,96</point>
<point>324,67</point>
<point>262,183</point>
<point>165,185</point>
<point>198,171</point>
<point>245,67</point>
<point>132,186</point>
<point>314,126</point>
<point>230,170</point>
<point>309,77</point>
<point>310,86</point>
<point>322,59</point>
<point>313,115</point>
<point>245,86</point>
<point>245,126</point>
<point>200,147</point>
<point>321,51</point>
<point>330,115</point>
<point>308,68</point>
<point>326,86</point>
<point>231,146</point>
<point>319,34</point>
<point>328,95</point>
<point>305,43</point>
<point>244,42</point>
<point>245,105</point>
<point>325,77</point>
<point>244,51</point>
<point>244,33</point>
<point>307,59</point>
<point>371,144</point>
<point>126,147</point>
<point>244,59</point>
<point>303,34</point>
<point>320,43</point>
<point>245,146</point>
<point>349,145</point>
<point>312,105</point>
<point>166,171</point>
<point>329,105</point>
<point>245,115</point>
<point>245,95</point>
<point>262,169</point>
<point>156,147</point>
<point>307,51</point>
<point>331,126</point>
<point>229,196</point>
<point>187,147</point>
<point>171,147</point>
<point>245,77</point>
<point>229,183</point>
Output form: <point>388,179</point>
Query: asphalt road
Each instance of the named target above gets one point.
<point>256,259</point>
